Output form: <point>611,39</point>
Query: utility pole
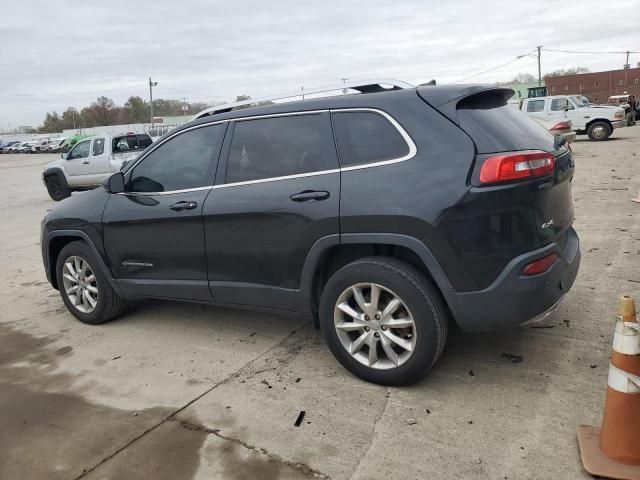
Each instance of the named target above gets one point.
<point>344,90</point>
<point>626,70</point>
<point>185,106</point>
<point>539,67</point>
<point>151,85</point>
<point>302,90</point>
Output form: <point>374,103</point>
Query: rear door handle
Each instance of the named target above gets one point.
<point>178,207</point>
<point>309,195</point>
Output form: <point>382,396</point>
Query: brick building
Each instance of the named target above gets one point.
<point>598,86</point>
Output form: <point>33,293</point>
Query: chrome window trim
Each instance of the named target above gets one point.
<point>413,150</point>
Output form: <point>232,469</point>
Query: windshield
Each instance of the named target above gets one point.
<point>580,101</point>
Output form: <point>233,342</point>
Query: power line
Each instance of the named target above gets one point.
<point>491,69</point>
<point>588,52</point>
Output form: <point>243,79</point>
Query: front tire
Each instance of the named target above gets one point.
<point>599,131</point>
<point>383,320</point>
<point>84,287</point>
<point>57,189</point>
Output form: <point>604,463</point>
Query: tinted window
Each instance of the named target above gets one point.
<point>181,162</point>
<point>81,150</point>
<point>496,127</point>
<point>131,142</point>
<point>280,146</point>
<point>365,137</point>
<point>535,106</point>
<point>98,146</point>
<point>144,141</point>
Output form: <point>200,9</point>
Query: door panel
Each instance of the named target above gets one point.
<point>257,237</point>
<point>78,164</point>
<point>277,192</point>
<point>154,250</point>
<point>99,166</point>
<point>154,237</point>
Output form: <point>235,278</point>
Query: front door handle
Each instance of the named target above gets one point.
<point>178,207</point>
<point>309,195</point>
<point>86,162</point>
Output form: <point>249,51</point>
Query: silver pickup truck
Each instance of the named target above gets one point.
<point>90,161</point>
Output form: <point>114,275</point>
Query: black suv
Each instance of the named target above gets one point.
<point>382,216</point>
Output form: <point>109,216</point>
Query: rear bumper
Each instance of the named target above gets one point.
<point>513,299</point>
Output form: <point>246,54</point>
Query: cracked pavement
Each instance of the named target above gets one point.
<point>183,391</point>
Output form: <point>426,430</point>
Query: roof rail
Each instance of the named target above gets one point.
<point>362,86</point>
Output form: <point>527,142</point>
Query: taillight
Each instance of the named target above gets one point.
<point>560,126</point>
<point>515,166</point>
<point>540,266</point>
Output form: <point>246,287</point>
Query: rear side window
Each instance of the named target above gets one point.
<point>98,146</point>
<point>535,106</point>
<point>144,141</point>
<point>366,137</point>
<point>280,146</point>
<point>496,127</point>
<point>181,162</point>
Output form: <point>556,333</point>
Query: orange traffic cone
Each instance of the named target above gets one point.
<point>613,451</point>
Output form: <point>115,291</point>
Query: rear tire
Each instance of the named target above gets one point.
<point>395,348</point>
<point>57,189</point>
<point>599,131</point>
<point>84,287</point>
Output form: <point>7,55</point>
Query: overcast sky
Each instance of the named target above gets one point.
<point>59,53</point>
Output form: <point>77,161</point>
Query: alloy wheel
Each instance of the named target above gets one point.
<point>375,326</point>
<point>80,285</point>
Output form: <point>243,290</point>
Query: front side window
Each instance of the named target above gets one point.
<point>181,162</point>
<point>81,150</point>
<point>367,137</point>
<point>535,106</point>
<point>98,146</point>
<point>560,104</point>
<point>280,146</point>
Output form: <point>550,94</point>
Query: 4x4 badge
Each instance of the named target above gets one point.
<point>547,224</point>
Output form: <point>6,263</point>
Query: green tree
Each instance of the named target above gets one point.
<point>138,109</point>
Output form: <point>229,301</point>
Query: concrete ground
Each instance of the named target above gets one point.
<point>187,391</point>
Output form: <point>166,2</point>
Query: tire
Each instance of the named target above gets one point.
<point>57,189</point>
<point>418,299</point>
<point>599,131</point>
<point>107,304</point>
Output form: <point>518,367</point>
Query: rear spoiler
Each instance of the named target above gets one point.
<point>446,99</point>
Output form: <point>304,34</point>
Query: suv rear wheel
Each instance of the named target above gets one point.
<point>599,131</point>
<point>84,287</point>
<point>383,320</point>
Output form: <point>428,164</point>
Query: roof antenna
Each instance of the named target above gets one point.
<point>431,83</point>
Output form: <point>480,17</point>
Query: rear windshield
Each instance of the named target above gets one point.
<point>129,143</point>
<point>496,127</point>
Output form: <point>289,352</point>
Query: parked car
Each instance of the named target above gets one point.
<point>596,121</point>
<point>622,101</point>
<point>439,204</point>
<point>39,146</point>
<point>563,128</point>
<point>90,161</point>
<point>14,148</point>
<point>55,145</point>
<point>5,148</point>
<point>25,147</point>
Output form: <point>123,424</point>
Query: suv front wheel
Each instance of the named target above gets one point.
<point>84,287</point>
<point>383,320</point>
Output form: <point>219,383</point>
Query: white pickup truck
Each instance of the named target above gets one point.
<point>597,121</point>
<point>90,161</point>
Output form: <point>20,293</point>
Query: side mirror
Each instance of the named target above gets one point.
<point>64,155</point>
<point>114,183</point>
